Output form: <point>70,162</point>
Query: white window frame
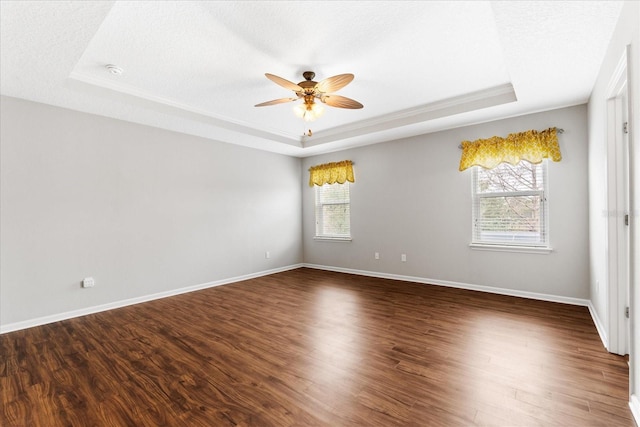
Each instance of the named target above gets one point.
<point>320,219</point>
<point>512,246</point>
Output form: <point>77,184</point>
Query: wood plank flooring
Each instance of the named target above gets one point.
<point>315,348</point>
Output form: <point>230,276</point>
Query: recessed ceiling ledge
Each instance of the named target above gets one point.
<point>189,112</point>
<point>486,98</point>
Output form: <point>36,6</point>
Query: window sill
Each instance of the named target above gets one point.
<point>544,250</point>
<point>332,239</point>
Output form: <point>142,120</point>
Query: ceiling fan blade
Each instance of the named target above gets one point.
<point>332,84</point>
<point>275,101</point>
<point>284,83</point>
<point>341,102</point>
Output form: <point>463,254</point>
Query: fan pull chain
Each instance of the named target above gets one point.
<point>306,132</point>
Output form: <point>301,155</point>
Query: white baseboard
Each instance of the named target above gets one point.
<point>459,285</point>
<point>634,404</point>
<point>123,303</point>
<point>599,326</point>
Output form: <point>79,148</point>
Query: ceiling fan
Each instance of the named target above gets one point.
<point>309,90</point>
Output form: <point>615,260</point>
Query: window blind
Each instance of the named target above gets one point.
<point>510,206</point>
<point>333,211</point>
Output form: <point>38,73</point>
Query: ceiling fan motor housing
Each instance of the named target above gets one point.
<point>308,84</point>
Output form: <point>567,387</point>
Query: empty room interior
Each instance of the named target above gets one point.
<point>319,213</point>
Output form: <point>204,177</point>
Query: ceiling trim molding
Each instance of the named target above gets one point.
<point>221,121</point>
<point>486,98</point>
<point>447,107</point>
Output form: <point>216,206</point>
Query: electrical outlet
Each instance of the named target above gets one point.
<point>88,282</point>
<point>267,255</point>
<point>376,255</point>
<point>403,257</point>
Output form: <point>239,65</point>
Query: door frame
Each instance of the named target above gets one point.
<point>618,199</point>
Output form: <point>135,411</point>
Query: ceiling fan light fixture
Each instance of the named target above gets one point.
<point>308,111</point>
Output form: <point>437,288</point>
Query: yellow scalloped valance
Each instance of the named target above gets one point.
<point>330,173</point>
<point>532,146</point>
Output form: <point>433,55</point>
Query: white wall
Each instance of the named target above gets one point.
<point>634,386</point>
<point>409,197</point>
<point>626,33</point>
<point>142,210</point>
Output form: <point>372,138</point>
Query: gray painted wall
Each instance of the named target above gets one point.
<point>142,210</point>
<point>409,197</point>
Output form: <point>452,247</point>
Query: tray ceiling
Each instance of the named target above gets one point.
<point>198,67</point>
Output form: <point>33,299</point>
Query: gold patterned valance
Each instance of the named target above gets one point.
<point>531,145</point>
<point>330,173</point>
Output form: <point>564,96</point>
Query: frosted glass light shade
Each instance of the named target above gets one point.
<point>308,112</point>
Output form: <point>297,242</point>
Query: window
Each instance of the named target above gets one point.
<point>333,211</point>
<point>510,206</point>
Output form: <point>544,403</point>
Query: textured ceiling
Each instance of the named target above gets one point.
<point>198,67</point>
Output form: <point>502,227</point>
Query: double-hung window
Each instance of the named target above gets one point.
<point>333,219</point>
<point>510,205</point>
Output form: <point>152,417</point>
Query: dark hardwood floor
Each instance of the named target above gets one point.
<point>315,348</point>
